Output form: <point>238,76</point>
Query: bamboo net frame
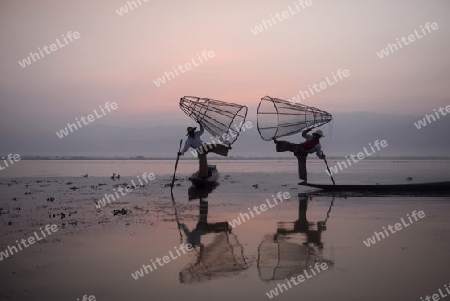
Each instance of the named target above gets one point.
<point>278,118</point>
<point>221,119</point>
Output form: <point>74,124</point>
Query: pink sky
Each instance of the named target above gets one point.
<point>117,58</point>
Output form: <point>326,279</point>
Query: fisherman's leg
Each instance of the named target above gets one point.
<point>217,149</point>
<point>219,227</point>
<point>301,158</point>
<point>302,224</point>
<point>203,216</point>
<point>203,166</point>
<point>285,146</point>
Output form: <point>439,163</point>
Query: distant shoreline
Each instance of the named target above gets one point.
<point>141,158</point>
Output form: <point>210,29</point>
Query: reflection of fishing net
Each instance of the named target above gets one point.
<point>278,118</point>
<point>221,119</point>
<point>223,257</point>
<point>278,260</point>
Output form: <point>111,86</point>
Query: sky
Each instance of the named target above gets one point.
<point>119,58</point>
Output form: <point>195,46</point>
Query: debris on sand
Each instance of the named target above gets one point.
<point>120,212</point>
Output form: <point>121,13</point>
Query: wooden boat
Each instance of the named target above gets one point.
<point>210,181</point>
<point>436,188</point>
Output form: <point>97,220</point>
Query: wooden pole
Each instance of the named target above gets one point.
<point>176,217</point>
<point>176,165</point>
<point>326,163</point>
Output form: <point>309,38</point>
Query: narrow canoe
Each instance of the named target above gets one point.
<point>436,188</point>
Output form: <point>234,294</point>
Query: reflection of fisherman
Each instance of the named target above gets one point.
<point>194,236</point>
<point>295,246</point>
<point>303,226</point>
<point>193,140</point>
<point>223,256</point>
<point>301,151</point>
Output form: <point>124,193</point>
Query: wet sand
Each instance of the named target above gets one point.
<point>94,252</point>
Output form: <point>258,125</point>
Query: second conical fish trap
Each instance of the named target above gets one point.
<point>278,118</point>
<point>223,257</point>
<point>221,119</point>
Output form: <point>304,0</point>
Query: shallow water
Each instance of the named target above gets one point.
<point>251,260</point>
<point>366,171</point>
<point>98,255</point>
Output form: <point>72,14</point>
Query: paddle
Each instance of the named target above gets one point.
<point>323,224</point>
<point>176,165</point>
<point>176,217</point>
<point>329,172</point>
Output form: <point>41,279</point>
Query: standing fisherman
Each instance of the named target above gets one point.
<point>301,151</point>
<point>193,140</point>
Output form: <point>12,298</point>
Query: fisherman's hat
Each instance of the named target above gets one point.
<point>190,129</point>
<point>319,132</point>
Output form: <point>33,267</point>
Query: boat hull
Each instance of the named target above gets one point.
<point>437,188</point>
<point>210,181</point>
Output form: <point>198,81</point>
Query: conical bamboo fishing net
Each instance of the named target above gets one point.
<point>223,257</point>
<point>221,119</point>
<point>278,118</point>
<point>283,258</point>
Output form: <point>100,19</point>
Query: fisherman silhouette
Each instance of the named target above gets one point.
<point>301,151</point>
<point>193,141</point>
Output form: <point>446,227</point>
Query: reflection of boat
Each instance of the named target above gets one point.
<point>286,254</point>
<point>210,181</point>
<point>222,256</point>
<point>195,192</point>
<point>438,188</point>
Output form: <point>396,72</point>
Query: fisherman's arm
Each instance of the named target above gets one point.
<point>319,152</point>
<point>185,229</point>
<point>187,144</point>
<point>305,133</point>
<point>202,130</point>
